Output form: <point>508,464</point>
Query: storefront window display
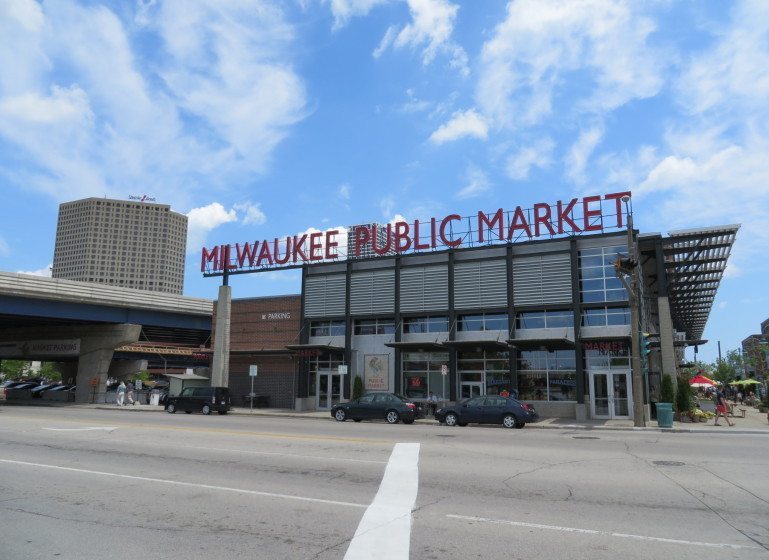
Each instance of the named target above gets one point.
<point>547,376</point>
<point>609,354</point>
<point>485,366</point>
<point>422,374</point>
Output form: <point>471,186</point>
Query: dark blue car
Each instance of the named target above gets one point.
<point>491,409</point>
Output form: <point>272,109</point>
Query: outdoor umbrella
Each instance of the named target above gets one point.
<point>745,382</point>
<point>701,381</point>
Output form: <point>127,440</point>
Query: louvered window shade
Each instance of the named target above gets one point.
<point>424,289</point>
<point>480,284</point>
<point>542,279</point>
<point>324,296</point>
<point>372,292</point>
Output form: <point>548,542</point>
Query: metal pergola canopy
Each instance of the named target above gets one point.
<point>695,261</point>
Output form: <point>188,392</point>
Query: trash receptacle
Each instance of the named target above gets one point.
<point>665,415</point>
<point>155,398</point>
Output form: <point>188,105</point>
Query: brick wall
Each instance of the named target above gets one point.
<point>258,325</point>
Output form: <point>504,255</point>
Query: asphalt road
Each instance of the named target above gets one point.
<point>92,484</point>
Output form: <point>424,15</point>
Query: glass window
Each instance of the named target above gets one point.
<point>603,316</point>
<point>327,328</point>
<point>373,326</point>
<point>544,319</point>
<point>609,354</point>
<point>483,322</point>
<point>422,374</point>
<point>547,376</point>
<point>429,324</point>
<point>366,399</point>
<point>598,279</point>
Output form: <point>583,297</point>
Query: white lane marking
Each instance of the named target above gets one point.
<point>104,428</point>
<point>385,530</point>
<point>603,533</point>
<point>190,484</point>
<point>344,459</point>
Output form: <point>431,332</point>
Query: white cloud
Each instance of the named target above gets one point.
<point>477,183</point>
<point>344,191</point>
<point>414,104</point>
<point>431,26</point>
<point>340,239</point>
<point>5,249</point>
<point>204,219</point>
<point>468,123</point>
<point>84,111</point>
<point>580,153</point>
<point>253,213</point>
<point>45,271</point>
<point>527,60</point>
<point>344,10</point>
<point>537,154</point>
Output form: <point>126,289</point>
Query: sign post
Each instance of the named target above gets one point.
<point>252,370</point>
<point>444,373</point>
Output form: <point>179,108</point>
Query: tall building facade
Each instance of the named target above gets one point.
<point>125,243</point>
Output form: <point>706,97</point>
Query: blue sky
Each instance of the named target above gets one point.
<point>262,119</point>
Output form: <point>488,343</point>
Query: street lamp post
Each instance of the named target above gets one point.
<point>633,302</point>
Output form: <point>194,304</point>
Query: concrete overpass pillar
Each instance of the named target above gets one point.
<point>96,348</point>
<point>667,350</point>
<point>220,369</point>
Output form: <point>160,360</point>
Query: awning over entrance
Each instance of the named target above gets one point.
<point>499,345</point>
<point>299,348</point>
<point>416,346</point>
<point>541,343</point>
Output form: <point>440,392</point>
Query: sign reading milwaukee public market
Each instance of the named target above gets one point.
<point>571,217</point>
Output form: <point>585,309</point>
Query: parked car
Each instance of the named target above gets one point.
<point>490,409</point>
<point>377,406</point>
<point>203,399</point>
<point>19,390</point>
<point>38,391</point>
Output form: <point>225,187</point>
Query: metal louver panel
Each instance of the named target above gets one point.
<point>542,279</point>
<point>372,292</point>
<point>324,296</point>
<point>480,284</point>
<point>424,289</point>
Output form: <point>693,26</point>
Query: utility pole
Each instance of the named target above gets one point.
<point>630,268</point>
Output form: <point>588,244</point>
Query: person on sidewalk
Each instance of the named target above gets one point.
<point>120,393</point>
<point>130,393</point>
<point>722,408</point>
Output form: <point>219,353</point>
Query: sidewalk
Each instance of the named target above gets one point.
<point>753,423</point>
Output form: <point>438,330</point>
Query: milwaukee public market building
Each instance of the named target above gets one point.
<point>538,301</point>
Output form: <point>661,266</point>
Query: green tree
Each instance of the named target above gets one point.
<point>14,369</point>
<point>49,372</point>
<point>667,392</point>
<point>357,387</point>
<point>142,375</point>
<point>683,395</point>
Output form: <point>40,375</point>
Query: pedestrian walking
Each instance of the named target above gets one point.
<point>722,408</point>
<point>130,393</point>
<point>120,393</point>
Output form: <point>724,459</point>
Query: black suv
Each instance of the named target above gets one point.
<point>204,399</point>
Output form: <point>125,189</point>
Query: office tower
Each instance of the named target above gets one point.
<point>125,243</point>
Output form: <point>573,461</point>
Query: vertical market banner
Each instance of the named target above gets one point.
<point>376,372</point>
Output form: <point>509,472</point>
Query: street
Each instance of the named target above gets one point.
<point>93,484</point>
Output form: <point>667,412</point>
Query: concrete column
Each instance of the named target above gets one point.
<point>220,369</point>
<point>96,347</point>
<point>667,350</point>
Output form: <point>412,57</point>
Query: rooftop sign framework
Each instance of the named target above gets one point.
<point>590,214</point>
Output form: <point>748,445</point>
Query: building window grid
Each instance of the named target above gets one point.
<point>426,324</point>
<point>373,326</point>
<point>598,278</point>
<point>550,319</point>
<point>483,322</point>
<point>547,375</point>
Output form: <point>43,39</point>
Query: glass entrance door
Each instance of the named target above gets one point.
<point>329,389</point>
<point>611,394</point>
<point>470,389</point>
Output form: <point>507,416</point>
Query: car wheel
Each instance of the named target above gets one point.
<point>392,417</point>
<point>340,415</point>
<point>206,409</point>
<point>509,421</point>
<point>408,421</point>
<point>171,408</point>
<point>451,419</point>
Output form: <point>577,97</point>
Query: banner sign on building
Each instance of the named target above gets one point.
<point>590,214</point>
<point>376,372</point>
<point>39,349</point>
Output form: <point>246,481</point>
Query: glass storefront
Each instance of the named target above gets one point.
<point>547,376</point>
<point>422,374</point>
<point>488,370</point>
<point>323,361</point>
